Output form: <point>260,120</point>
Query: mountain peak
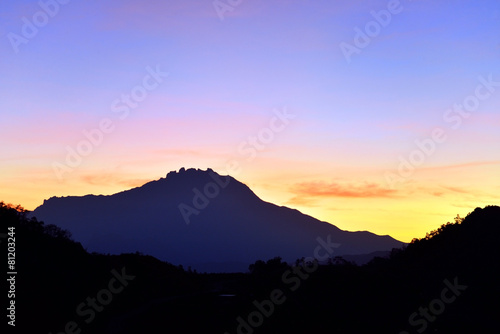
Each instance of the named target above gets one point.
<point>190,171</point>
<point>195,177</point>
<point>197,218</point>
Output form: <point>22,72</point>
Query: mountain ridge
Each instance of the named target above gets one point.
<point>226,223</point>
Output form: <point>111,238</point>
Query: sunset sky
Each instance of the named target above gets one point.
<point>141,88</point>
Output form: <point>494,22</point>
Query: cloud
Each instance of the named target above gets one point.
<point>179,152</point>
<point>299,200</point>
<point>111,179</point>
<point>468,194</point>
<point>334,189</point>
<point>457,190</point>
<point>466,206</point>
<point>465,165</point>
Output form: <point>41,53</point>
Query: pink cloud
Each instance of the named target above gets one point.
<point>112,179</point>
<point>334,189</point>
<point>464,165</point>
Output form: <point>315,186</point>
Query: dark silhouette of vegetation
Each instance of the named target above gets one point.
<point>274,265</point>
<point>56,274</point>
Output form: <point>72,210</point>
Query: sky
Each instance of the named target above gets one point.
<point>371,115</point>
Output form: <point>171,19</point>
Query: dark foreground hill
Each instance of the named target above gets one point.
<point>444,283</point>
<point>202,220</point>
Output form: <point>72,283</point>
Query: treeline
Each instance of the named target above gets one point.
<point>445,282</point>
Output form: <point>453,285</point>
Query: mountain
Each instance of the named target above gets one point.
<point>203,220</point>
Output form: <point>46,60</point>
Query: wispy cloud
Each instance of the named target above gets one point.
<point>302,201</point>
<point>465,205</point>
<point>111,179</point>
<point>471,193</point>
<point>457,190</point>
<point>178,152</point>
<point>465,165</point>
<point>335,189</point>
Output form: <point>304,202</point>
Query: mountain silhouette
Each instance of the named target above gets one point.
<point>443,283</point>
<point>200,219</point>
